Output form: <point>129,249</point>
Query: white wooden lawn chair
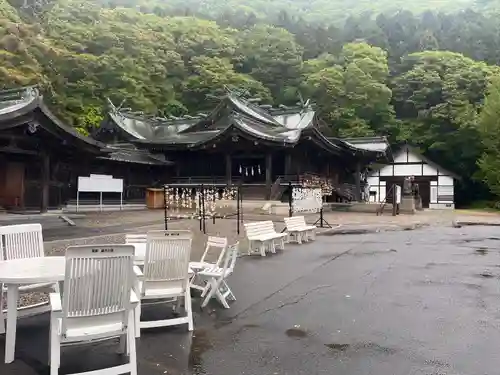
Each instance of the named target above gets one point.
<point>262,235</point>
<point>166,276</point>
<point>97,303</point>
<point>214,244</point>
<point>216,278</point>
<point>298,230</point>
<point>18,242</point>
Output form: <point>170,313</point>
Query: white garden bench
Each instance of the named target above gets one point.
<point>261,236</point>
<point>298,230</point>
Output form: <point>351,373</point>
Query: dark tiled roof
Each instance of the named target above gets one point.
<point>132,155</point>
<point>231,112</point>
<point>25,106</point>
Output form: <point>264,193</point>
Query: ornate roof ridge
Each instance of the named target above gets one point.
<point>265,110</point>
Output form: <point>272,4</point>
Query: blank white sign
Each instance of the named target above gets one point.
<point>100,184</point>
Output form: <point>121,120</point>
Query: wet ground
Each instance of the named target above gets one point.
<point>411,302</point>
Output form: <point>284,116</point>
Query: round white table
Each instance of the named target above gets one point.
<point>18,272</point>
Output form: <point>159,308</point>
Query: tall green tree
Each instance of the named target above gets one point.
<point>351,91</point>
<point>211,78</point>
<point>489,131</point>
<point>272,56</point>
<point>438,95</point>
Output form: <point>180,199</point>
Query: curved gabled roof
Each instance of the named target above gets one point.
<point>284,126</point>
<point>25,106</point>
<point>128,154</point>
<point>231,112</point>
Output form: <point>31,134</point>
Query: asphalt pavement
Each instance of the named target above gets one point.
<point>422,302</point>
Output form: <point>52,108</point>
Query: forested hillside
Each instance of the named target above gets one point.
<point>322,11</point>
<point>421,78</point>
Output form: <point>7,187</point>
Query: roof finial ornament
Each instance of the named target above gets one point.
<point>303,104</point>
<point>114,108</point>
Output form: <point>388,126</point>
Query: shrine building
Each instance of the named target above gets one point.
<point>238,142</point>
<point>436,184</point>
<point>41,158</point>
<point>258,146</point>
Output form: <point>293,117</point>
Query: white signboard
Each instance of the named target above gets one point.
<point>99,183</point>
<point>307,200</point>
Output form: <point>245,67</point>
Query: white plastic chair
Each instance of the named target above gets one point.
<point>214,245</point>
<point>97,303</point>
<point>166,276</point>
<point>136,238</point>
<point>216,278</point>
<point>19,242</point>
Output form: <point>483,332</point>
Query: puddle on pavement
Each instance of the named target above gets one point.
<point>468,240</point>
<point>372,253</point>
<point>296,332</point>
<point>200,344</point>
<point>376,348</point>
<point>486,275</point>
<point>482,251</point>
<point>472,286</point>
<point>434,264</point>
<point>370,346</point>
<point>436,362</point>
<point>337,347</point>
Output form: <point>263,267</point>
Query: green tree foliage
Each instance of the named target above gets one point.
<point>311,10</point>
<point>272,56</point>
<point>351,90</point>
<point>211,77</point>
<point>489,130</point>
<point>440,93</point>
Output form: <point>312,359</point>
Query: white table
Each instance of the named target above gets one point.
<point>17,272</point>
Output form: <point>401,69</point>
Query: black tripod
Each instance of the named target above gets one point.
<point>321,220</point>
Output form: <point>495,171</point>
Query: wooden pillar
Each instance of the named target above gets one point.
<point>269,181</point>
<point>288,163</point>
<point>357,178</point>
<point>44,204</point>
<point>229,167</point>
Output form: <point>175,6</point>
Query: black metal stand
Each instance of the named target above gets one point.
<point>321,220</point>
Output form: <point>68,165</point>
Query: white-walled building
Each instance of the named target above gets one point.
<point>436,184</point>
